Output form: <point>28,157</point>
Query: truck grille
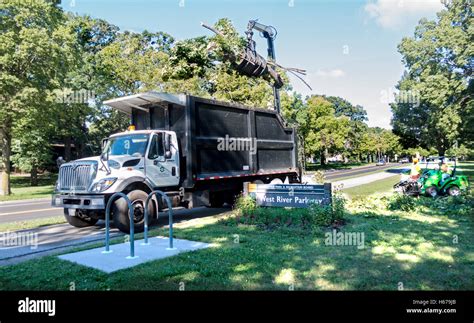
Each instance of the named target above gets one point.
<point>76,176</point>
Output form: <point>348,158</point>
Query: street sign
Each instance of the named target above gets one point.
<point>289,195</point>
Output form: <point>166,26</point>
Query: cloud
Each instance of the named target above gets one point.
<point>393,13</point>
<point>336,73</point>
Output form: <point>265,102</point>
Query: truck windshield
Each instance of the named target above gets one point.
<point>133,145</point>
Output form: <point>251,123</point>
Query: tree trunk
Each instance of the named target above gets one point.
<point>441,150</point>
<point>322,156</point>
<point>34,176</point>
<point>304,155</point>
<point>67,148</point>
<point>5,144</point>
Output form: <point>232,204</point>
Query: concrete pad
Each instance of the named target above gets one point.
<point>119,258</point>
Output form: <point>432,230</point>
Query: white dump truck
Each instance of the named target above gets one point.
<point>198,151</point>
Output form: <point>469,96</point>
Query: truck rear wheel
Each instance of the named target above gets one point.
<point>219,199</point>
<point>121,215</point>
<point>80,220</point>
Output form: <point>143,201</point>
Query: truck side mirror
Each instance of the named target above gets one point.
<point>167,146</point>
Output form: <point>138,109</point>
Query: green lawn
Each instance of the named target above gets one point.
<point>429,248</point>
<point>380,186</point>
<point>386,185</point>
<point>21,189</point>
<point>467,168</point>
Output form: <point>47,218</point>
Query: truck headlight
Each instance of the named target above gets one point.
<point>103,184</point>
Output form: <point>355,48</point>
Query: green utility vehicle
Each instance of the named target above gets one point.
<point>434,182</point>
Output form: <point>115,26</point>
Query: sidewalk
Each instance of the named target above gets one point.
<point>352,182</point>
<point>365,179</point>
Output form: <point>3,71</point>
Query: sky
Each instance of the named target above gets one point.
<point>347,47</point>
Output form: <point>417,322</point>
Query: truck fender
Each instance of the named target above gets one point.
<point>135,180</point>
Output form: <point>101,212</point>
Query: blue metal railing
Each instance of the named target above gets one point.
<point>170,216</point>
<point>107,224</point>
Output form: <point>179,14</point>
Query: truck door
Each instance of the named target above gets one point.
<point>162,170</point>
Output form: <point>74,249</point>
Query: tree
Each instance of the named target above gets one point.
<point>357,116</point>
<point>439,66</point>
<point>323,132</point>
<point>293,110</point>
<point>379,142</point>
<point>31,144</point>
<point>87,82</point>
<point>35,52</point>
<point>461,152</point>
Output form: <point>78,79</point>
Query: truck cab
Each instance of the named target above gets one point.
<point>134,162</point>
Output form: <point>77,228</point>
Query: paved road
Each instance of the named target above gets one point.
<point>361,176</point>
<point>22,245</point>
<point>24,210</point>
<point>336,174</point>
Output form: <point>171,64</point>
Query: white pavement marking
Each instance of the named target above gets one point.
<point>117,259</point>
<point>28,211</point>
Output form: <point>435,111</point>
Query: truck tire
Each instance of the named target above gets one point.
<point>121,216</point>
<point>80,220</point>
<point>217,199</point>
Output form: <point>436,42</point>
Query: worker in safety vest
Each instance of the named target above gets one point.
<point>415,169</point>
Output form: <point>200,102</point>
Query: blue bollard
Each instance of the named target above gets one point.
<point>170,217</point>
<point>107,224</point>
<point>145,232</point>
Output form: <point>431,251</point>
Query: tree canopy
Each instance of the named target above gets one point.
<point>439,64</point>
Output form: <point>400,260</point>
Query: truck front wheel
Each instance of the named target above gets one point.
<point>121,215</point>
<point>80,219</point>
